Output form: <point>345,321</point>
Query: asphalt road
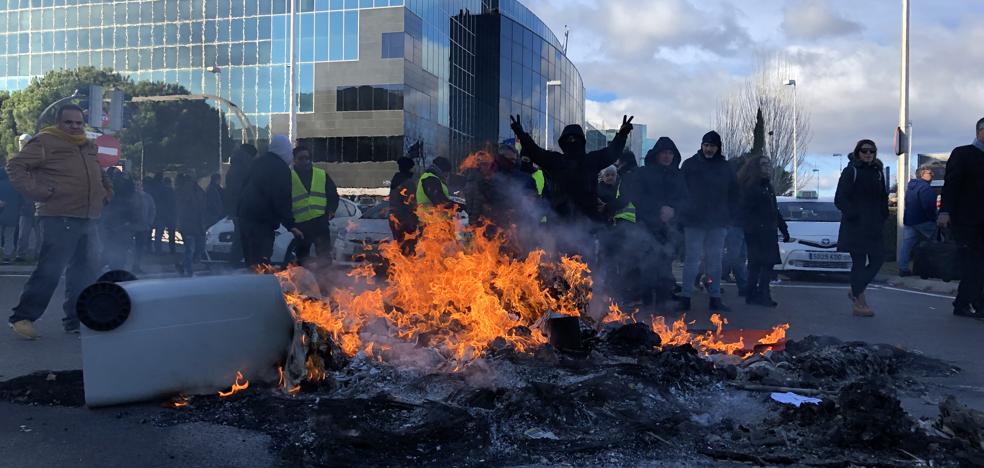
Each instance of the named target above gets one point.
<point>35,436</point>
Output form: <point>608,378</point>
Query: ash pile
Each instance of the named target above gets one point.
<point>619,399</point>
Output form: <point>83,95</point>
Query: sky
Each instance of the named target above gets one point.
<point>670,62</point>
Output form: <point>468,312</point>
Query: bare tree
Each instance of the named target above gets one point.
<point>765,90</point>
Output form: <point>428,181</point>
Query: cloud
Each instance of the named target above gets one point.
<point>816,19</point>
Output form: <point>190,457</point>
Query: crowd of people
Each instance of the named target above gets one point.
<point>629,222</point>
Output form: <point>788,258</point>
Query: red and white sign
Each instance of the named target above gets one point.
<point>109,151</point>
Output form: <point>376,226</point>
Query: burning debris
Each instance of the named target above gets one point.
<point>462,355</point>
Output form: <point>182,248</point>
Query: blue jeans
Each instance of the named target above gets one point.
<point>709,244</point>
<point>65,242</point>
<point>736,257</point>
<point>194,248</point>
<point>911,235</point>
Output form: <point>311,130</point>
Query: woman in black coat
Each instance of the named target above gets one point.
<point>862,199</point>
<point>758,214</point>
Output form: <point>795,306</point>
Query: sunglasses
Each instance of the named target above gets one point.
<point>72,122</point>
<point>868,151</point>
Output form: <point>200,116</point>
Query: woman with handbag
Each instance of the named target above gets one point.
<point>862,199</point>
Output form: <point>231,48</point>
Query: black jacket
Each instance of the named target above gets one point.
<point>759,217</point>
<point>573,174</point>
<point>192,210</point>
<point>265,198</point>
<point>402,202</point>
<point>235,178</point>
<point>963,187</point>
<point>863,202</point>
<point>712,187</point>
<point>660,185</point>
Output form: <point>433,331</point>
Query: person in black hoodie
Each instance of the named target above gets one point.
<point>403,217</point>
<point>713,197</point>
<point>265,202</point>
<point>574,173</point>
<point>662,197</point>
<point>863,201</point>
<point>760,219</point>
<point>235,178</point>
<point>962,208</point>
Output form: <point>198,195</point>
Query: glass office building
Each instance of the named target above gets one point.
<point>374,76</point>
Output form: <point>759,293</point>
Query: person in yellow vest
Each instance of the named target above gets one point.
<point>432,188</point>
<point>314,199</point>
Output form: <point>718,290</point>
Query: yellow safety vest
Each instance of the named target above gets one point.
<point>308,205</point>
<point>422,199</point>
<point>629,212</point>
<point>540,181</point>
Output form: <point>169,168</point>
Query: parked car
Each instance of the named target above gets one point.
<point>813,227</point>
<point>218,238</point>
<point>360,238</point>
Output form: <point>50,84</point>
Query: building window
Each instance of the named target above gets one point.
<point>369,98</point>
<point>393,45</point>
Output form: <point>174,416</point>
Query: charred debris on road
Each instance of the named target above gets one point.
<point>621,399</point>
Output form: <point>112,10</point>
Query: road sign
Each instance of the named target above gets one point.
<point>109,150</point>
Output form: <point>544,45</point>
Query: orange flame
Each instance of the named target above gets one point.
<point>176,402</point>
<point>711,341</point>
<point>615,315</point>
<point>777,335</point>
<point>452,296</point>
<point>478,160</point>
<point>239,385</point>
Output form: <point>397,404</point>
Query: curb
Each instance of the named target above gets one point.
<point>924,285</point>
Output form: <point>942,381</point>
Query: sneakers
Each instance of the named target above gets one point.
<point>966,311</point>
<point>904,273</point>
<point>24,329</point>
<point>859,307</point>
<point>5,261</point>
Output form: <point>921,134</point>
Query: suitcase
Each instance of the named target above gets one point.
<point>937,257</point>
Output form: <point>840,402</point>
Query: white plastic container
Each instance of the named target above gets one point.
<point>169,336</point>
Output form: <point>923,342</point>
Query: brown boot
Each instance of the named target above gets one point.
<point>858,307</point>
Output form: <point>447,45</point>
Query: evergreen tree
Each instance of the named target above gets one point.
<point>758,135</point>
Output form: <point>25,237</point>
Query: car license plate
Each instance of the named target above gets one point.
<point>828,256</point>
<point>222,248</point>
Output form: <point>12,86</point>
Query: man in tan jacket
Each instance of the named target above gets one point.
<point>58,170</point>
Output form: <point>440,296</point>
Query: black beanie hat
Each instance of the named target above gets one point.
<point>405,164</point>
<point>442,163</point>
<point>712,137</point>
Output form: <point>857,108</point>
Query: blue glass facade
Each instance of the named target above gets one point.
<point>437,47</point>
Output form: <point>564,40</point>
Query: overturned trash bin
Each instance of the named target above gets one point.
<point>148,339</point>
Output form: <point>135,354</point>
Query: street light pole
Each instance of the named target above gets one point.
<point>816,173</point>
<point>218,105</point>
<point>905,150</point>
<point>292,87</point>
<point>795,154</point>
<point>546,128</point>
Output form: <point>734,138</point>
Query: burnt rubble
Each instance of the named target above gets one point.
<point>619,400</point>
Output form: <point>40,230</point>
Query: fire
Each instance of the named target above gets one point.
<point>477,160</point>
<point>715,341</point>
<point>711,341</point>
<point>177,402</point>
<point>777,335</point>
<point>239,385</point>
<point>453,296</point>
<point>615,315</point>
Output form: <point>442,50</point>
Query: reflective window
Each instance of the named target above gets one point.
<point>392,45</point>
<point>369,98</point>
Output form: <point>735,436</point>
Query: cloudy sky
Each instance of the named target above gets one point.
<point>669,62</point>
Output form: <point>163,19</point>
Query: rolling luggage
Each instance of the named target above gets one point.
<point>937,257</point>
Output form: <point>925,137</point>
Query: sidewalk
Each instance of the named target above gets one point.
<point>890,275</point>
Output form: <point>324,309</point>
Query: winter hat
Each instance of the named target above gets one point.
<point>712,137</point>
<point>280,146</point>
<point>443,164</point>
<point>405,164</point>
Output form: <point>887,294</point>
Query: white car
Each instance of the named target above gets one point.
<point>369,230</point>
<point>218,238</point>
<point>813,228</point>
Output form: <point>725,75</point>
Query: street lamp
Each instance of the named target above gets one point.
<point>816,173</point>
<point>795,155</point>
<point>218,105</point>
<point>546,128</point>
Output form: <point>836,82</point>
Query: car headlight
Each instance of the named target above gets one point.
<point>225,237</point>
